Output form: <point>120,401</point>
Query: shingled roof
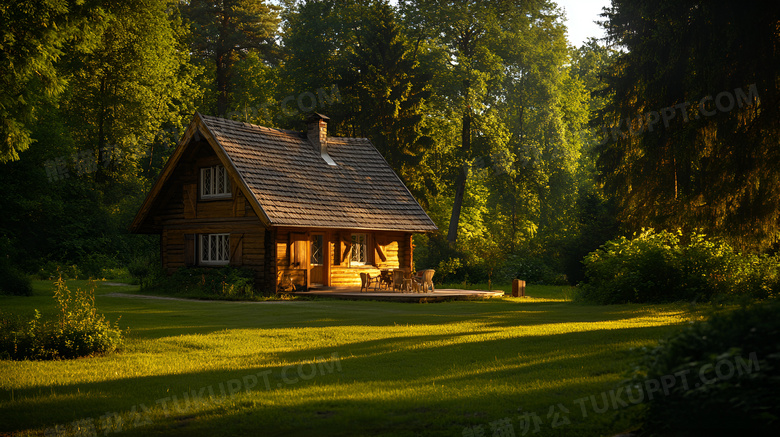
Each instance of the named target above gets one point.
<point>294,186</point>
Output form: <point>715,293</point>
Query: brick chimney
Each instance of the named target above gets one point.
<point>317,133</point>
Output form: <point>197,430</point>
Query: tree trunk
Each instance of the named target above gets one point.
<point>100,175</point>
<point>460,183</point>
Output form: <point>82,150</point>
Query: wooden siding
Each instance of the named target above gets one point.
<point>350,276</point>
<point>179,213</point>
<point>182,215</point>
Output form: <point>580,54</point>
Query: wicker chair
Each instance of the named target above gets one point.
<point>398,280</point>
<point>366,280</point>
<point>424,279</point>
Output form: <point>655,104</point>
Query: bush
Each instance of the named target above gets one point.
<point>223,282</point>
<point>12,281</point>
<point>658,267</point>
<point>95,265</point>
<point>731,364</point>
<point>77,331</point>
<point>533,270</point>
<point>52,270</point>
<point>146,270</point>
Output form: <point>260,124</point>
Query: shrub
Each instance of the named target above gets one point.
<point>448,268</point>
<point>52,270</point>
<point>658,267</point>
<point>146,270</point>
<point>95,265</point>
<point>12,281</point>
<point>77,331</point>
<point>731,365</point>
<point>223,282</point>
<point>533,270</point>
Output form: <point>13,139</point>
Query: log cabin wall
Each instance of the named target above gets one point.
<point>293,251</point>
<point>286,197</point>
<point>183,215</point>
<point>385,250</point>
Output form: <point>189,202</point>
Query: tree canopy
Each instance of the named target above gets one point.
<point>692,125</point>
<point>528,153</point>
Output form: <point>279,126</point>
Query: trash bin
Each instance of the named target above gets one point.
<point>518,288</point>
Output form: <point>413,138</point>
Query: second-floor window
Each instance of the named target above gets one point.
<point>214,182</point>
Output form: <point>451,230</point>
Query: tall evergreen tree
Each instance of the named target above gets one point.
<point>693,123</point>
<point>224,31</point>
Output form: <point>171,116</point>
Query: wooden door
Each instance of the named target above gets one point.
<point>316,263</point>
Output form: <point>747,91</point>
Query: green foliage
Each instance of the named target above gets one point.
<point>77,330</point>
<point>213,283</point>
<point>533,270</point>
<point>661,267</point>
<point>225,32</point>
<point>12,281</point>
<point>447,268</point>
<point>33,36</point>
<point>146,269</point>
<point>698,82</point>
<point>731,364</point>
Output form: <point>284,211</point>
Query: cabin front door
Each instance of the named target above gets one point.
<point>317,269</point>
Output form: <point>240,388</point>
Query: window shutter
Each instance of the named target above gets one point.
<point>236,249</point>
<point>298,243</point>
<point>346,248</point>
<point>369,246</point>
<point>189,250</point>
<point>337,250</point>
<point>190,196</point>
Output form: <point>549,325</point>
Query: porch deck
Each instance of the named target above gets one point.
<point>354,293</point>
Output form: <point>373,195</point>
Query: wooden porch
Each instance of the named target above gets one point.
<point>440,295</point>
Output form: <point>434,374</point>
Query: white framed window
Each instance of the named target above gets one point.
<point>214,249</point>
<point>317,250</point>
<point>214,182</point>
<point>359,251</point>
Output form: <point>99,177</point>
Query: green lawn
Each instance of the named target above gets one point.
<point>327,367</point>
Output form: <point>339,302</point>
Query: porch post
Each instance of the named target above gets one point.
<point>326,257</point>
<point>409,247</point>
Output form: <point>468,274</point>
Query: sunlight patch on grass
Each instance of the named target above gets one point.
<point>418,369</point>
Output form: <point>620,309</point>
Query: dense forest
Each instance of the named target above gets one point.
<point>528,153</point>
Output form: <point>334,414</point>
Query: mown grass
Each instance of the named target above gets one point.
<point>402,369</point>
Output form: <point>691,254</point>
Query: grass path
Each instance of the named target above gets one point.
<point>327,367</point>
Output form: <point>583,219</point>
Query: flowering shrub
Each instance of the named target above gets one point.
<point>77,331</point>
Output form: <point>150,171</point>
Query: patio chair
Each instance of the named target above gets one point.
<point>424,279</point>
<point>366,280</point>
<point>398,280</point>
<point>385,280</point>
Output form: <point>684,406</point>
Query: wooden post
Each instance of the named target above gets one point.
<point>518,288</point>
<point>410,249</point>
<point>327,248</point>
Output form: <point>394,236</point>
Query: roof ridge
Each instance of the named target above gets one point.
<point>271,129</point>
<point>276,129</point>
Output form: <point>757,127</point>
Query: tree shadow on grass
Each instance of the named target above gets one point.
<point>399,376</point>
<point>155,319</point>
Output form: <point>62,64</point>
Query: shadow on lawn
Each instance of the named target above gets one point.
<point>155,319</point>
<point>465,373</point>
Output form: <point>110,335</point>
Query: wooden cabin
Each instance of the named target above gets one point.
<point>298,208</point>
